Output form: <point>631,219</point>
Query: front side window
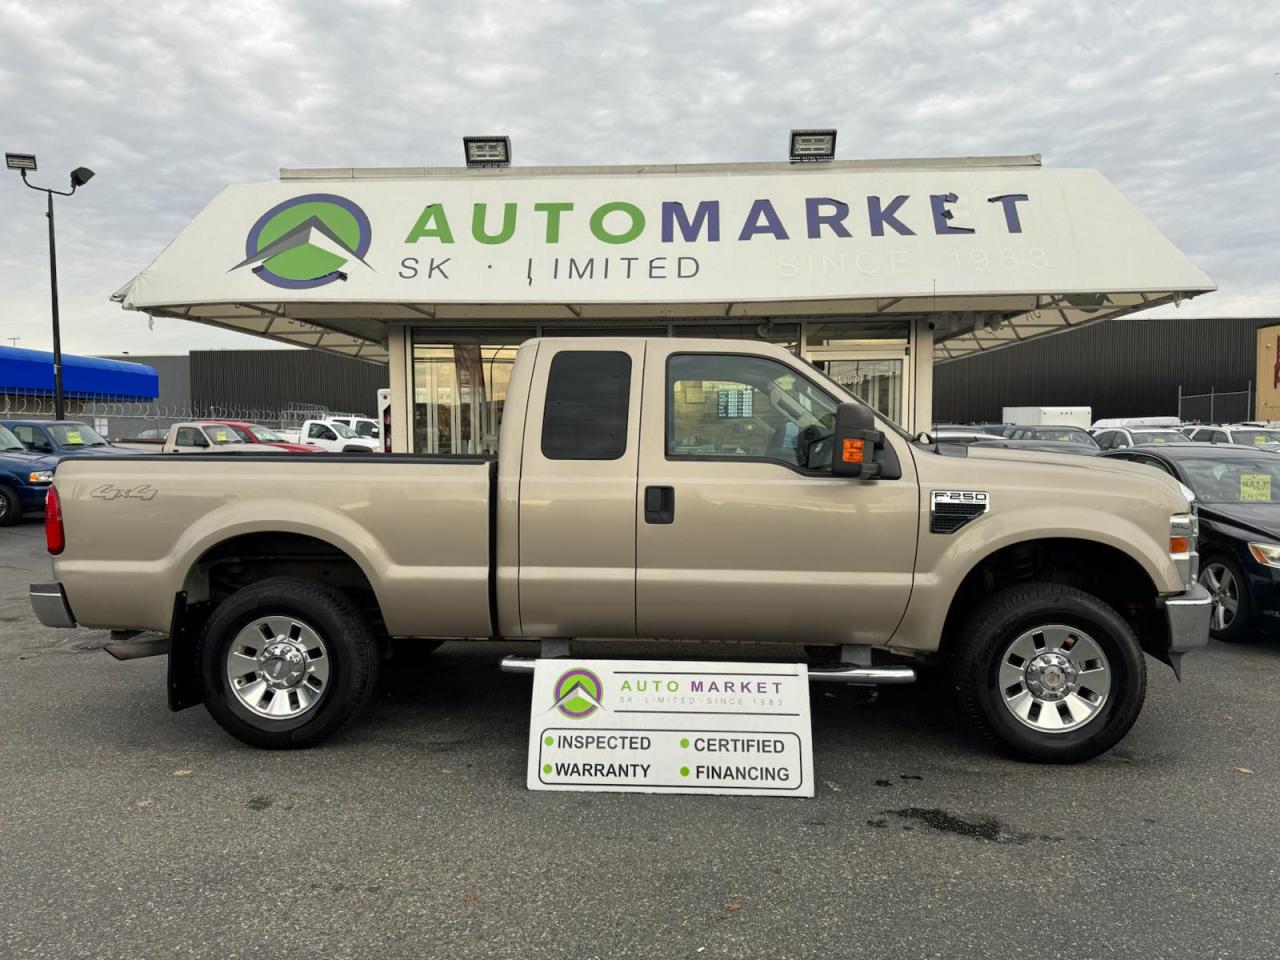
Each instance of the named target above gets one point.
<point>190,437</point>
<point>318,431</point>
<point>588,398</point>
<point>746,407</point>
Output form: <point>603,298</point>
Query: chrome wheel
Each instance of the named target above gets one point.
<point>1054,678</point>
<point>1225,589</point>
<point>278,667</point>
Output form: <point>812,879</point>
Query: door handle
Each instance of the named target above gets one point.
<point>659,504</point>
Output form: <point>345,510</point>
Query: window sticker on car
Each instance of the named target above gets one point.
<point>1157,440</point>
<point>220,436</point>
<point>1255,486</point>
<point>1259,439</point>
<point>1064,437</point>
<point>74,437</point>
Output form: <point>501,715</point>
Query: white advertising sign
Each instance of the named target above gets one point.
<point>652,726</point>
<point>788,235</point>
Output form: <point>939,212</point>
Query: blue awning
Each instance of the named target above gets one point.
<point>83,378</point>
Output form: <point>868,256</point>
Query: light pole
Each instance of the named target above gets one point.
<point>22,162</point>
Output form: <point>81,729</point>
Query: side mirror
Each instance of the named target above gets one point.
<point>856,439</point>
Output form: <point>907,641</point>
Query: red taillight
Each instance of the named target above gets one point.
<point>55,538</point>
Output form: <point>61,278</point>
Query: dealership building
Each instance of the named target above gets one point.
<point>874,271</point>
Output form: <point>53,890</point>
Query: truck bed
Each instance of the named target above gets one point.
<point>417,526</point>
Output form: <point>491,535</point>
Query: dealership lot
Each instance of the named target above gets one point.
<point>129,831</point>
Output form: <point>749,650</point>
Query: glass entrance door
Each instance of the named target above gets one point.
<point>880,381</point>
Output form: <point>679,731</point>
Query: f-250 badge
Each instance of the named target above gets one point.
<point>143,491</point>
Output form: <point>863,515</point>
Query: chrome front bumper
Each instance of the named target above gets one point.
<point>49,602</point>
<point>1188,615</point>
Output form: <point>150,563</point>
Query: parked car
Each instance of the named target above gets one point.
<point>62,438</point>
<point>256,433</point>
<point>1237,492</point>
<point>1234,433</point>
<point>756,500</point>
<point>361,426</point>
<point>1117,438</point>
<point>331,437</point>
<point>1044,446</point>
<point>1051,434</point>
<point>24,478</point>
<point>193,437</point>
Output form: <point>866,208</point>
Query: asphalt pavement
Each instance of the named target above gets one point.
<point>127,831</point>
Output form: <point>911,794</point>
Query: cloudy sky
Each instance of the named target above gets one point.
<point>1178,104</point>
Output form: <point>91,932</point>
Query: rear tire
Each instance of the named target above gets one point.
<point>10,506</point>
<point>1049,673</point>
<point>281,630</point>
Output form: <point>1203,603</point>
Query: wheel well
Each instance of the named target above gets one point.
<point>1104,571</point>
<point>251,557</point>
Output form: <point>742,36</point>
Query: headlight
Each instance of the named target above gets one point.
<point>1267,554</point>
<point>40,476</point>
<point>1184,530</point>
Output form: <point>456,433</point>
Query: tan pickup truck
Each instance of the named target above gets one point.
<point>656,489</point>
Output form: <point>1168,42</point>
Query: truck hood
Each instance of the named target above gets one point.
<point>29,460</point>
<point>1077,477</point>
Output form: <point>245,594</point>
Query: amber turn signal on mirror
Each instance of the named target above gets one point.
<point>851,451</point>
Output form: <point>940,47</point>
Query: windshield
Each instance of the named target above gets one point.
<point>240,433</point>
<point>75,435</point>
<point>847,391</point>
<point>1158,436</point>
<point>1237,480</point>
<point>1255,438</point>
<point>266,434</point>
<point>342,430</point>
<point>8,441</point>
<point>220,433</point>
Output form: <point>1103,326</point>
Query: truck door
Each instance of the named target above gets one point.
<point>578,490</point>
<point>737,539</point>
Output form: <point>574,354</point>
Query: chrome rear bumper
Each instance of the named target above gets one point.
<point>49,602</point>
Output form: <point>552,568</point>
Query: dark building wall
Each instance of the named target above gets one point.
<point>1118,367</point>
<point>175,377</point>
<point>280,379</point>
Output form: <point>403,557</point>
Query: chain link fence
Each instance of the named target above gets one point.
<point>122,420</point>
<point>1217,406</point>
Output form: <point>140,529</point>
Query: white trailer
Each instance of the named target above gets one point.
<point>1050,416</point>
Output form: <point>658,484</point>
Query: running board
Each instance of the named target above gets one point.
<point>842,673</point>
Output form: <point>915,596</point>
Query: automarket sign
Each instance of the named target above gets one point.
<point>656,238</point>
<point>671,727</point>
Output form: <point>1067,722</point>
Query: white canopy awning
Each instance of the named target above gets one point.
<point>998,250</point>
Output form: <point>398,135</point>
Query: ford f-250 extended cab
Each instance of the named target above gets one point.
<point>664,489</point>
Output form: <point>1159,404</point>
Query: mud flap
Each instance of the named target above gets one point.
<point>185,689</point>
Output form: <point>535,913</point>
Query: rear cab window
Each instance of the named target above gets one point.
<point>587,405</point>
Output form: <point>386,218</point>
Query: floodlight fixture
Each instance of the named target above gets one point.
<point>812,145</point>
<point>20,161</point>
<point>487,151</point>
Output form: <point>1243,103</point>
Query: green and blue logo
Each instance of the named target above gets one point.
<point>305,242</point>
<point>578,693</point>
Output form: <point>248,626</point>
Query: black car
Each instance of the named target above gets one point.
<point>1237,492</point>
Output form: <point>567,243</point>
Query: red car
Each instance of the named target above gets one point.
<point>254,433</point>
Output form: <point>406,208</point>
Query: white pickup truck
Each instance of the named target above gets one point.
<point>331,436</point>
<point>664,489</point>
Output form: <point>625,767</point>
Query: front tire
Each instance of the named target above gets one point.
<point>10,506</point>
<point>284,663</point>
<point>1049,673</point>
<point>1232,618</point>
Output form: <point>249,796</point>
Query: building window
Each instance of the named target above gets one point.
<point>753,408</point>
<point>460,388</point>
<point>588,394</point>
<point>868,332</point>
